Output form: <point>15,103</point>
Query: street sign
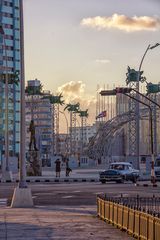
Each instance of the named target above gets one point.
<point>108,92</point>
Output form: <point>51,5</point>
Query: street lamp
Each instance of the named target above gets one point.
<point>6,174</point>
<point>148,48</point>
<point>22,196</point>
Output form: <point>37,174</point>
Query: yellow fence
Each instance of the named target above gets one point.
<point>139,224</point>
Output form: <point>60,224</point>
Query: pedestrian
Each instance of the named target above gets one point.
<point>68,169</point>
<point>58,167</point>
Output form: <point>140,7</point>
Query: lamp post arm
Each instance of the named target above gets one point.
<point>146,97</point>
<point>137,100</point>
<point>143,57</point>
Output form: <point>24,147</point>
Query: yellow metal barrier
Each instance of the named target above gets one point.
<point>151,224</point>
<point>107,211</point>
<point>111,220</point>
<point>120,216</point>
<point>131,224</point>
<point>103,210</point>
<point>125,218</point>
<point>157,228</point>
<point>141,225</point>
<point>144,220</point>
<point>115,214</point>
<point>137,224</point>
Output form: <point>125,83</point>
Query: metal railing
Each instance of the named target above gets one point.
<point>139,216</point>
<point>149,205</point>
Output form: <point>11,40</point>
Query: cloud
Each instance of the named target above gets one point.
<point>124,23</point>
<point>72,87</point>
<point>102,61</point>
<point>75,92</point>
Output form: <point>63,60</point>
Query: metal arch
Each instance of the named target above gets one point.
<point>100,144</point>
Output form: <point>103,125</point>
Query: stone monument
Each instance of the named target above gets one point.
<point>34,166</point>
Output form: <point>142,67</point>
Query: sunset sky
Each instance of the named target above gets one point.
<point>73,45</point>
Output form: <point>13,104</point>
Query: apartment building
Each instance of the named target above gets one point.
<point>11,61</point>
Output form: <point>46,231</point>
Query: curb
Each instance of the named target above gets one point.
<point>53,180</point>
<point>146,185</point>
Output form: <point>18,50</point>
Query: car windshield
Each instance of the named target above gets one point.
<point>117,166</point>
<point>157,163</point>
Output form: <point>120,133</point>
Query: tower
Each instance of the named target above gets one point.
<point>11,58</point>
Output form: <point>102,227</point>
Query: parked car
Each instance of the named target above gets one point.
<point>119,172</point>
<point>157,168</point>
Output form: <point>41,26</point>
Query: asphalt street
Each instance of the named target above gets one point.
<point>75,194</point>
<point>63,211</point>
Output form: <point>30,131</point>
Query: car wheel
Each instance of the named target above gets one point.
<point>103,181</point>
<point>134,179</point>
<point>120,181</point>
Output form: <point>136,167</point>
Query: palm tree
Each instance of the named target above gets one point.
<point>56,101</point>
<point>83,115</point>
<point>72,107</point>
<point>13,78</point>
<point>73,110</point>
<point>34,90</point>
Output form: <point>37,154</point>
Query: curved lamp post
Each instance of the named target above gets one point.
<point>148,48</point>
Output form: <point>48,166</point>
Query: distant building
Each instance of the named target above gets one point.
<point>39,110</point>
<point>63,144</point>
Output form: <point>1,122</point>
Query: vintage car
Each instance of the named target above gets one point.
<point>119,172</point>
<point>157,168</point>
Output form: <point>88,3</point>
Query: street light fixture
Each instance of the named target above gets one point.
<point>126,91</point>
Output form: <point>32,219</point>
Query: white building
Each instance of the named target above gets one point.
<point>39,109</point>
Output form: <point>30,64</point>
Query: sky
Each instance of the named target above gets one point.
<point>72,46</point>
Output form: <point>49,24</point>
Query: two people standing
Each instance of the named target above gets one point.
<point>58,167</point>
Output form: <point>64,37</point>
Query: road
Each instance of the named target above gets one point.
<point>63,211</point>
<point>76,194</point>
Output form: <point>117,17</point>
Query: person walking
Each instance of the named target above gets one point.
<point>58,167</point>
<point>68,169</point>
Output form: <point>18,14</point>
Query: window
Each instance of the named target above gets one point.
<point>5,14</point>
<point>9,4</point>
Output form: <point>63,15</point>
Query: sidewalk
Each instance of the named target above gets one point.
<point>58,222</point>
<point>78,174</point>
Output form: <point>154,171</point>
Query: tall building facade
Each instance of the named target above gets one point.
<point>39,109</point>
<point>11,62</point>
